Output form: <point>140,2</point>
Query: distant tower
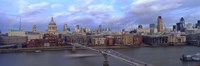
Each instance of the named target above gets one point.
<point>182,20</point>
<point>198,24</point>
<point>160,24</point>
<point>80,30</point>
<point>140,27</point>
<point>87,30</point>
<point>34,28</point>
<point>108,29</point>
<point>152,28</point>
<point>65,28</point>
<point>179,26</point>
<point>20,24</point>
<point>122,31</point>
<point>174,28</point>
<point>77,27</point>
<point>52,28</point>
<point>100,28</point>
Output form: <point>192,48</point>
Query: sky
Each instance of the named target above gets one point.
<point>115,14</point>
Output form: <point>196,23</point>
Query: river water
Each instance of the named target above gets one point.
<point>158,56</point>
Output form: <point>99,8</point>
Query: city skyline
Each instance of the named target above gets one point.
<point>91,13</point>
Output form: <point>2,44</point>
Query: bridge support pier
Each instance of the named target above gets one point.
<point>73,48</point>
<point>105,63</point>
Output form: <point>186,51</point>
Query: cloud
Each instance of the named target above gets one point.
<point>8,21</point>
<point>98,12</point>
<point>116,14</point>
<point>100,8</point>
<point>31,9</point>
<point>83,21</point>
<point>73,9</point>
<point>84,3</point>
<point>54,6</point>
<point>146,12</point>
<point>141,6</point>
<point>60,14</point>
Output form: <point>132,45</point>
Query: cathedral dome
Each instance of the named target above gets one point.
<point>52,23</point>
<point>52,28</point>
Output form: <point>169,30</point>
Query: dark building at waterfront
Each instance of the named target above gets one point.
<point>193,39</point>
<point>155,40</point>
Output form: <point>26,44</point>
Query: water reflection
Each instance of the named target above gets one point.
<point>158,56</point>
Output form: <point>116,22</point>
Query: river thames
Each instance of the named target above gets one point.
<point>158,56</point>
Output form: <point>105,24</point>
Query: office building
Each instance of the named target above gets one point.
<point>34,28</point>
<point>65,29</point>
<point>198,24</point>
<point>152,28</point>
<point>174,28</point>
<point>159,24</point>
<point>16,33</point>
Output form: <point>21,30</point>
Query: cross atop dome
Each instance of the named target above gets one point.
<point>52,19</point>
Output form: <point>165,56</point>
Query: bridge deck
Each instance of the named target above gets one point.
<point>115,54</point>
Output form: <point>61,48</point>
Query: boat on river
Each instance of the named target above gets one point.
<point>38,51</point>
<point>191,57</point>
<point>80,55</point>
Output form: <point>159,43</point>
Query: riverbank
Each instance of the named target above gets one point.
<point>69,47</point>
<point>57,48</point>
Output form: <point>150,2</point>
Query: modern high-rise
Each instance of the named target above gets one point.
<point>52,28</point>
<point>108,29</point>
<point>198,24</point>
<point>174,27</point>
<point>159,24</point>
<point>182,20</point>
<point>152,28</point>
<point>181,25</point>
<point>77,27</point>
<point>100,28</point>
<point>34,28</point>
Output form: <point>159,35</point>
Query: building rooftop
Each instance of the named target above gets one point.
<point>16,30</point>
